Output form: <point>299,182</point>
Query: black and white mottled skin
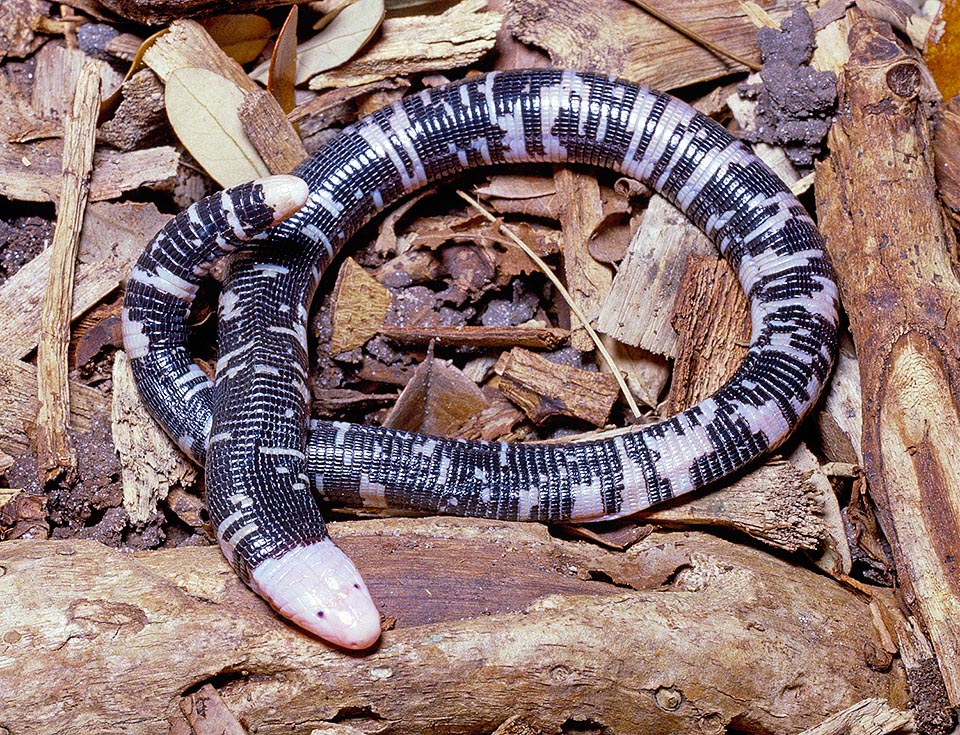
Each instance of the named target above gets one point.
<point>265,460</point>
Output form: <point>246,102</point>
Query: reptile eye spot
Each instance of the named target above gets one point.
<point>319,613</point>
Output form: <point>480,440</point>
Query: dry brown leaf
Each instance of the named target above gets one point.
<point>242,37</point>
<point>202,107</point>
<point>282,78</point>
<point>339,40</point>
<point>518,186</point>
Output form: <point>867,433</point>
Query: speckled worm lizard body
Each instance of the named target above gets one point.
<point>265,460</point>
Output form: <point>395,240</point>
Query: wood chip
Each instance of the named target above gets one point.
<point>438,400</point>
<point>544,389</point>
<point>623,40</point>
<point>713,319</point>
<point>775,503</point>
<point>360,306</point>
<point>208,714</point>
<point>869,716</point>
<point>18,38</point>
<point>587,280</point>
<point>112,238</point>
<point>18,406</point>
<point>187,44</point>
<point>140,117</point>
<point>271,133</point>
<point>150,463</point>
<point>648,278</point>
<point>58,69</point>
<point>841,420</point>
<point>32,173</point>
<point>544,338</point>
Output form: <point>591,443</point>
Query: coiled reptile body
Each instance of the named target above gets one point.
<point>264,460</point>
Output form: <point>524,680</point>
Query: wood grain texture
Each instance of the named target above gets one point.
<point>111,240</point>
<point>151,464</point>
<point>623,40</point>
<point>712,317</point>
<point>517,625</point>
<point>587,279</point>
<point>545,389</point>
<point>18,406</point>
<point>892,248</point>
<point>419,44</point>
<point>647,280</point>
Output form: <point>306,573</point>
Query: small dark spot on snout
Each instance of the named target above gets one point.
<point>319,613</point>
<point>356,586</point>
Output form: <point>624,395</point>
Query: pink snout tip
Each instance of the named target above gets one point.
<point>318,588</point>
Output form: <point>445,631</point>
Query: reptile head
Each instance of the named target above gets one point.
<point>318,588</point>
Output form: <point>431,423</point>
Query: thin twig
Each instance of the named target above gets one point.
<point>55,454</point>
<point>607,357</point>
<point>693,35</point>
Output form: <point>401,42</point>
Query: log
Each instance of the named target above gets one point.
<point>891,244</point>
<point>682,633</point>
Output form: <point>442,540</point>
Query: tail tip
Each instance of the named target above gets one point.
<point>284,194</point>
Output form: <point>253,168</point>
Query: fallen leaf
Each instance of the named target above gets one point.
<point>282,78</point>
<point>337,42</point>
<point>242,37</point>
<point>202,107</point>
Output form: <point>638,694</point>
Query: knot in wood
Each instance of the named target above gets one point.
<point>711,724</point>
<point>904,79</point>
<point>668,698</point>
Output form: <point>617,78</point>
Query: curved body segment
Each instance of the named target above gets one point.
<point>264,461</point>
